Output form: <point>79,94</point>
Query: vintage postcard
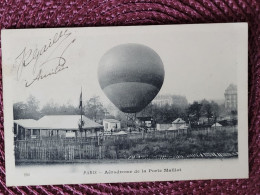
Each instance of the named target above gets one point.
<point>125,104</point>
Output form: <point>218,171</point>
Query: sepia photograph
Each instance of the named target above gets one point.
<point>144,102</point>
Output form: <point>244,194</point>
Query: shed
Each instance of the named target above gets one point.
<point>111,124</point>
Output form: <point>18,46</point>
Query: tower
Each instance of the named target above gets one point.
<point>231,98</point>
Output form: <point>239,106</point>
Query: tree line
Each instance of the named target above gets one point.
<point>190,112</point>
<point>95,110</point>
<point>30,109</point>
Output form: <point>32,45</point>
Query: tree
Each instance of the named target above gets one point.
<point>206,109</point>
<point>52,108</point>
<point>28,110</point>
<point>32,108</point>
<point>195,110</point>
<point>215,110</point>
<point>94,108</point>
<point>19,110</point>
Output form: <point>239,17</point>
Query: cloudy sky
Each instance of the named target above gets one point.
<point>199,60</point>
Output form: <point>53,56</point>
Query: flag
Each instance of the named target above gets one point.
<point>80,100</point>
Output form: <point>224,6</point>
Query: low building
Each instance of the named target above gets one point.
<point>60,126</point>
<point>25,128</point>
<point>145,121</point>
<point>177,123</point>
<point>179,126</point>
<point>163,127</point>
<point>111,125</point>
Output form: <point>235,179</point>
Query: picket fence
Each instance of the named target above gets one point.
<point>58,149</point>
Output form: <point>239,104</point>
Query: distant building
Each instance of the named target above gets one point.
<point>217,126</point>
<point>111,124</point>
<point>161,100</point>
<point>231,98</point>
<point>177,123</point>
<point>144,121</point>
<point>163,127</point>
<point>203,120</point>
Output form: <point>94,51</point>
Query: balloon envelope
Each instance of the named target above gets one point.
<point>131,75</point>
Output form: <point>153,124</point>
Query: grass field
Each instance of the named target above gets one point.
<point>185,145</point>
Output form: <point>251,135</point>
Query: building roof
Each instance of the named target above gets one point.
<point>178,121</point>
<point>216,125</point>
<point>111,120</point>
<point>66,122</point>
<point>26,123</point>
<point>231,89</point>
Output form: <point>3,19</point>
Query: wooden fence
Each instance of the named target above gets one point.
<point>71,149</point>
<point>58,149</point>
<point>169,134</point>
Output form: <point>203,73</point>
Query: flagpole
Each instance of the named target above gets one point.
<point>81,108</point>
<point>81,123</point>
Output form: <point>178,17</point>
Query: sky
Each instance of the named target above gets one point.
<point>199,60</point>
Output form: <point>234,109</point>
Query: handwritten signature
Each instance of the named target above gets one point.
<point>44,61</point>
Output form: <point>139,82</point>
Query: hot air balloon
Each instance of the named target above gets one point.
<point>131,75</point>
